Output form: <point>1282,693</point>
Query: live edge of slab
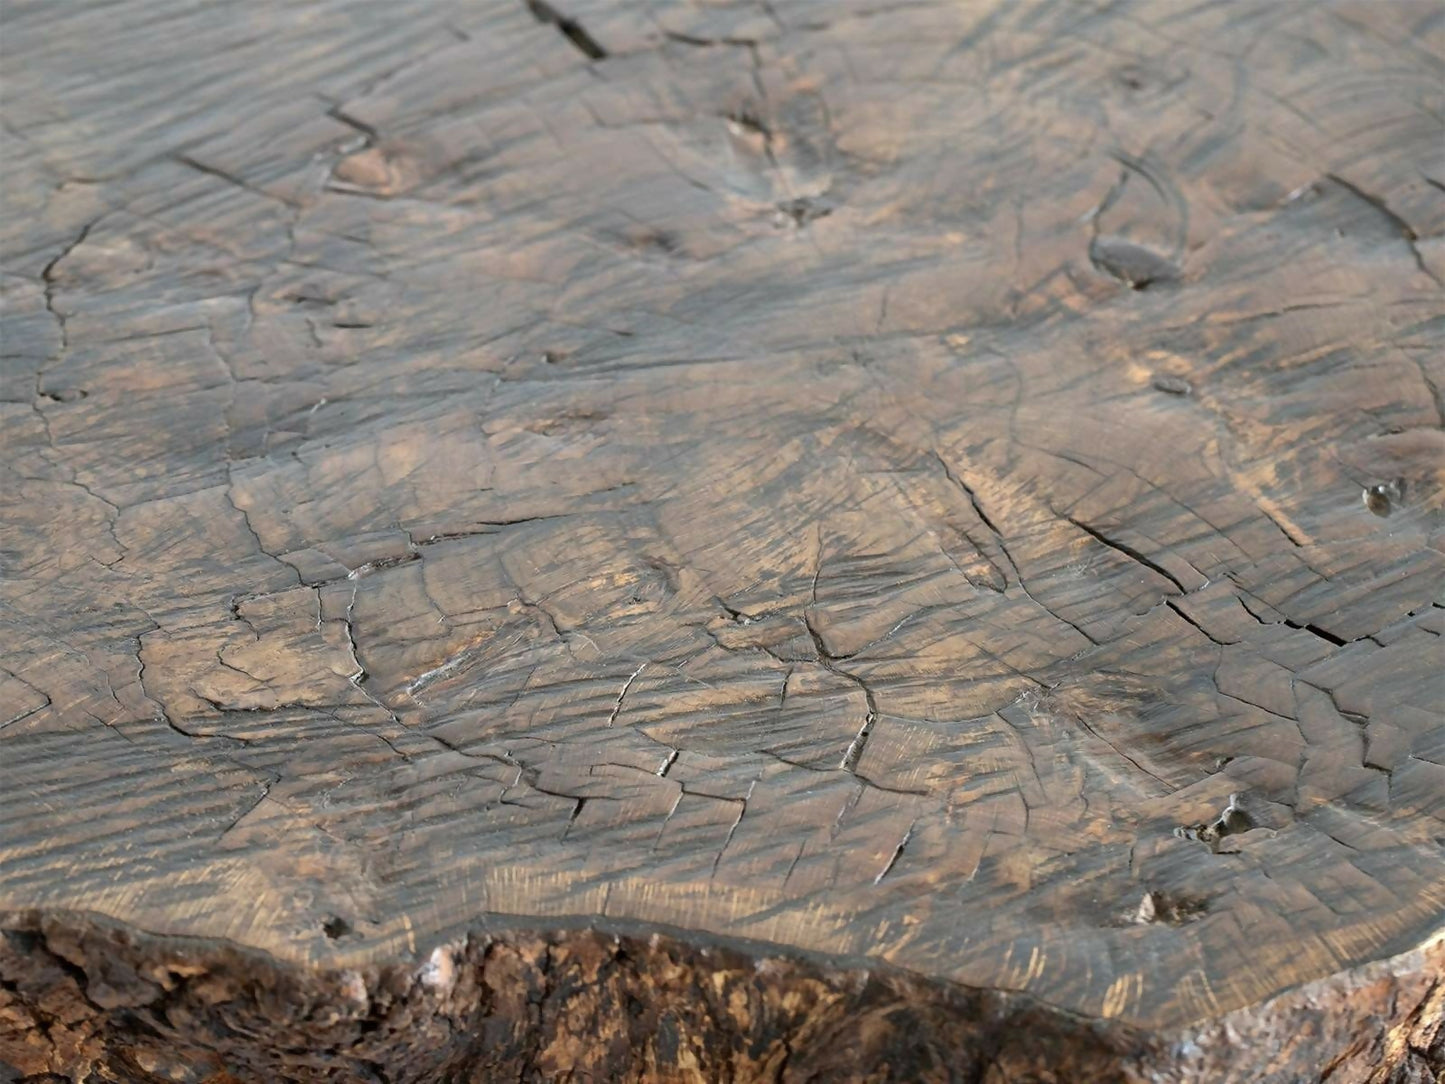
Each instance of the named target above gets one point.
<point>723,541</point>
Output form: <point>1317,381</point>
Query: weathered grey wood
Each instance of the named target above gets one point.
<point>935,510</point>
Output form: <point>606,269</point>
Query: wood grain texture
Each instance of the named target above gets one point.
<point>949,495</point>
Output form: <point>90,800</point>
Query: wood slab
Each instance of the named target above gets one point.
<point>686,540</point>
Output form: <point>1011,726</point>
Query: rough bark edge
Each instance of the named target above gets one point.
<point>84,998</point>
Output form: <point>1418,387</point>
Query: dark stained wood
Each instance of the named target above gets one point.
<point>690,541</point>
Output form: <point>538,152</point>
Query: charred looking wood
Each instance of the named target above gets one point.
<point>569,28</point>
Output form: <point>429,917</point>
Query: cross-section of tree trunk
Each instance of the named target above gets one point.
<point>678,540</point>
